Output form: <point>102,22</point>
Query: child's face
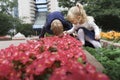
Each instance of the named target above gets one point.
<point>74,20</point>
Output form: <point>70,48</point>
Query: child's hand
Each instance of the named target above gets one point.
<point>97,37</point>
<point>74,34</point>
<point>65,32</point>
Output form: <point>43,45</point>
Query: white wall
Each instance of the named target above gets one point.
<point>26,10</point>
<point>53,5</point>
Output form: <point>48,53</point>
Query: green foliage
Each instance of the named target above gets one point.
<point>7,5</point>
<point>25,29</point>
<point>5,24</point>
<point>108,22</point>
<point>103,7</point>
<point>109,58</point>
<point>67,3</point>
<point>105,12</point>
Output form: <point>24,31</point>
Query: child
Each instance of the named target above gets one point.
<point>84,25</point>
<point>55,24</point>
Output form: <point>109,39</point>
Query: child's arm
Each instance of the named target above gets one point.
<point>95,27</point>
<point>72,30</point>
<point>97,32</point>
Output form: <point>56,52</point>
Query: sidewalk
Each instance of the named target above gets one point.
<point>7,43</point>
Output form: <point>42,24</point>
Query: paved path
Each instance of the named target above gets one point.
<point>7,43</point>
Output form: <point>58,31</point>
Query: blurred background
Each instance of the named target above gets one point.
<point>28,16</point>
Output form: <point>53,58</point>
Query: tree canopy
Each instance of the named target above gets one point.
<point>7,21</point>
<point>4,22</point>
<point>106,12</point>
<point>6,6</point>
<point>95,7</point>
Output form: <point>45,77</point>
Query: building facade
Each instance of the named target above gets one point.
<point>41,13</point>
<point>26,10</point>
<point>53,5</point>
<point>43,7</point>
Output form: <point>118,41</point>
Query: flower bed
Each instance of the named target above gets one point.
<point>106,43</point>
<point>110,38</point>
<point>109,57</point>
<point>50,58</point>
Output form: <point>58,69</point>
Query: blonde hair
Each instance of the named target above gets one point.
<point>76,11</point>
<point>56,27</point>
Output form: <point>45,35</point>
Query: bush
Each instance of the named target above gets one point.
<point>26,29</point>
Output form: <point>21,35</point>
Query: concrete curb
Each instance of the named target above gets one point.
<point>91,59</point>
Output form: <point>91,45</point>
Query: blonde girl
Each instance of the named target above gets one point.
<point>84,25</point>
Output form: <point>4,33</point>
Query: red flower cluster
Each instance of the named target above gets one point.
<point>52,58</point>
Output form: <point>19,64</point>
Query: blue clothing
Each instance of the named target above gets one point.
<point>90,34</point>
<point>52,16</point>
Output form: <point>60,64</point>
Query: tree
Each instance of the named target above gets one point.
<point>26,29</point>
<point>6,6</point>
<point>105,12</point>
<point>103,7</point>
<point>95,7</point>
<point>69,3</point>
<point>7,21</point>
<point>5,25</point>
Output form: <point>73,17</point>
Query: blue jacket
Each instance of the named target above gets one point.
<point>56,15</point>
